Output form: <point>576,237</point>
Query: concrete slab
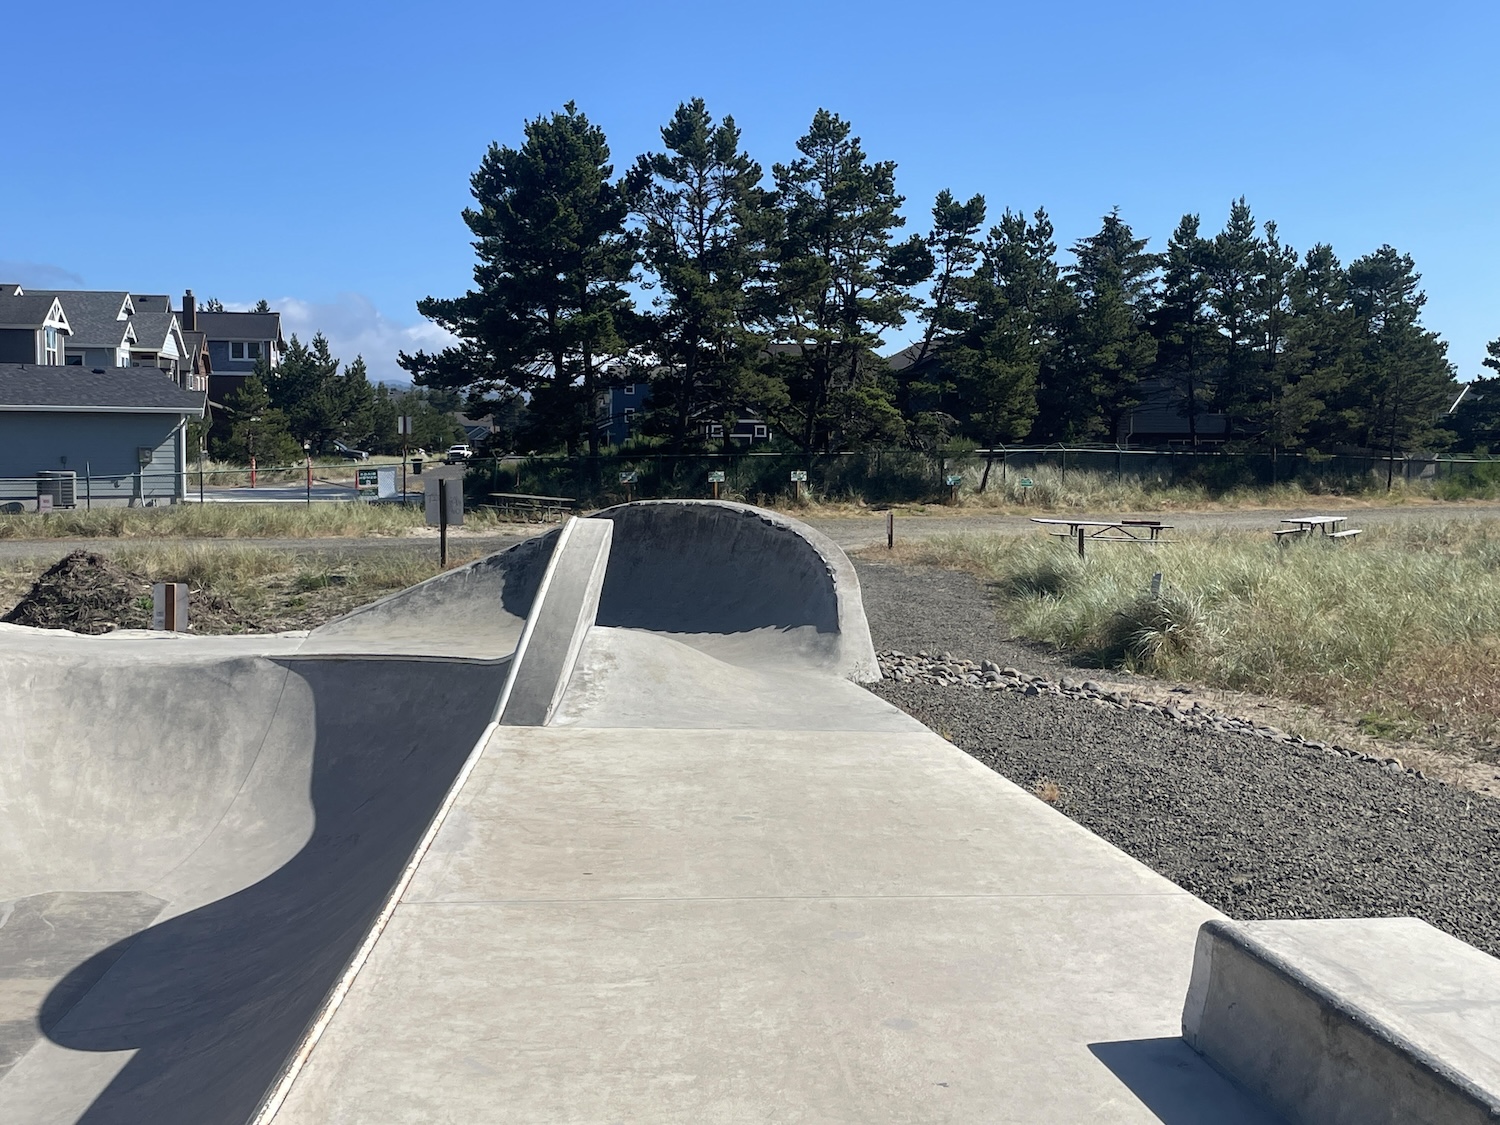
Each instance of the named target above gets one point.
<point>657,925</point>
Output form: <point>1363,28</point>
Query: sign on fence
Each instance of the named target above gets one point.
<point>385,482</point>
<point>367,478</point>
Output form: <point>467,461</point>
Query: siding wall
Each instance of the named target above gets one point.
<point>103,444</point>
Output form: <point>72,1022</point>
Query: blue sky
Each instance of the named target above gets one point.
<point>317,153</point>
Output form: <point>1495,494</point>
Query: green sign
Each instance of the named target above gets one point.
<point>366,478</point>
<point>716,476</point>
<point>955,479</point>
<point>1026,482</point>
<point>799,475</point>
<point>630,477</point>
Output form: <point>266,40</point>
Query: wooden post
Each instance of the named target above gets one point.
<point>890,531</point>
<point>443,522</point>
<point>1080,542</point>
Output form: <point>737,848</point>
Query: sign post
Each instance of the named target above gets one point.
<point>444,505</point>
<point>954,480</point>
<point>716,478</point>
<point>169,606</point>
<point>1025,482</point>
<point>628,479</point>
<point>890,530</point>
<point>799,479</point>
<point>403,427</point>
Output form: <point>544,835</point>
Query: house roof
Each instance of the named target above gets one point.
<point>153,320</point>
<point>28,310</point>
<point>96,390</point>
<point>241,326</point>
<point>93,314</point>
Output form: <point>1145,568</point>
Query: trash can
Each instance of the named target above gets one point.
<point>416,465</point>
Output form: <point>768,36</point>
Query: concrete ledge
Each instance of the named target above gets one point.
<point>1350,1022</point>
<point>566,603</point>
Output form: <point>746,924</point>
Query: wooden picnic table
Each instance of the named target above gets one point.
<point>1327,526</point>
<point>528,505</point>
<point>1109,531</point>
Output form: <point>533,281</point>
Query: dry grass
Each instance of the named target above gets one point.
<point>270,590</point>
<point>233,521</point>
<point>1047,790</point>
<point>1400,631</point>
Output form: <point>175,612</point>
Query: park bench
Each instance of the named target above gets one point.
<point>1326,526</point>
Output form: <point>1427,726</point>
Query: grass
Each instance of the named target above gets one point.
<point>265,590</point>
<point>349,520</point>
<point>1401,629</point>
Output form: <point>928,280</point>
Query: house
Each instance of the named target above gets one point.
<point>33,327</point>
<point>617,406</point>
<point>93,435</point>
<point>236,341</point>
<point>159,341</point>
<point>102,334</point>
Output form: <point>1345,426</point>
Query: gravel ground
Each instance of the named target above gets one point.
<point>1257,829</point>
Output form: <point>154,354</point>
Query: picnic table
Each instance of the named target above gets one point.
<point>1145,532</point>
<point>529,507</point>
<point>1330,527</point>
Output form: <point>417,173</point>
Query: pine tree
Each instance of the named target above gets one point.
<point>257,429</point>
<point>1181,323</point>
<point>1402,373</point>
<point>840,281</point>
<point>548,310</point>
<point>1281,407</point>
<point>705,222</point>
<point>1320,342</point>
<point>1109,347</point>
<point>1233,257</point>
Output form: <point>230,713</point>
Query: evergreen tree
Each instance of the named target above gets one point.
<point>1317,358</point>
<point>257,430</point>
<point>1281,407</point>
<point>840,281</point>
<point>1402,373</point>
<point>704,225</point>
<point>925,379</point>
<point>1109,346</point>
<point>1181,323</point>
<point>548,310</point>
<point>1232,261</point>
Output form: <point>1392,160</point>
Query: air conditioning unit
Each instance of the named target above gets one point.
<point>60,484</point>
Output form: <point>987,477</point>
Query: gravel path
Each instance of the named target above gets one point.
<point>1256,828</point>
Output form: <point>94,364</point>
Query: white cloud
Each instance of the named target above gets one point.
<point>354,326</point>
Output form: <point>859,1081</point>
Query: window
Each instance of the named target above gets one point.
<point>630,388</point>
<point>252,350</point>
<point>75,361</point>
<point>629,416</point>
<point>244,349</point>
<point>716,430</point>
<point>49,346</point>
<point>760,431</point>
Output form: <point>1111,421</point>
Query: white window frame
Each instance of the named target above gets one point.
<point>244,347</point>
<point>761,431</point>
<point>629,388</point>
<point>629,416</point>
<point>50,356</point>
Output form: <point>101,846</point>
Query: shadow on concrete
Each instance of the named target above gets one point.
<point>1177,1084</point>
<point>214,1001</point>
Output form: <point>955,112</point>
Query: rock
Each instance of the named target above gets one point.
<point>1013,673</point>
<point>1032,689</point>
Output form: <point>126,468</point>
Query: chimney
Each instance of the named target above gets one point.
<point>189,312</point>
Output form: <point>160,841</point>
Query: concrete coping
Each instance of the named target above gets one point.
<point>1350,1021</point>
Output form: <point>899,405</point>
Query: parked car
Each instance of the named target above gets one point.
<point>457,453</point>
<point>349,453</point>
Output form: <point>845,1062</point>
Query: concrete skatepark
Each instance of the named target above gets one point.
<point>602,828</point>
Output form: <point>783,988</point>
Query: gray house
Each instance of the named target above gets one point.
<point>93,435</point>
<point>236,342</point>
<point>33,327</point>
<point>102,335</point>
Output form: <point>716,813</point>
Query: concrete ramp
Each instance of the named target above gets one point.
<point>193,850</point>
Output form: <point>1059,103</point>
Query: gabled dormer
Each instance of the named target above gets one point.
<point>33,328</point>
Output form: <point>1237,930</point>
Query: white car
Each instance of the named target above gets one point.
<point>457,453</point>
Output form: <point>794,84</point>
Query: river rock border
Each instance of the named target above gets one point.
<point>947,670</point>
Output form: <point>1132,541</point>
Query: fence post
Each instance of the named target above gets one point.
<point>88,487</point>
<point>1080,542</point>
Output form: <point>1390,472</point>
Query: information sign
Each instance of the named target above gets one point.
<point>799,476</point>
<point>716,476</point>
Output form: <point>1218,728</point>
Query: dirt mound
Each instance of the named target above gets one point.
<point>86,593</point>
<point>89,593</point>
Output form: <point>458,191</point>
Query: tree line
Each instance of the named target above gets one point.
<point>310,401</point>
<point>732,292</point>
